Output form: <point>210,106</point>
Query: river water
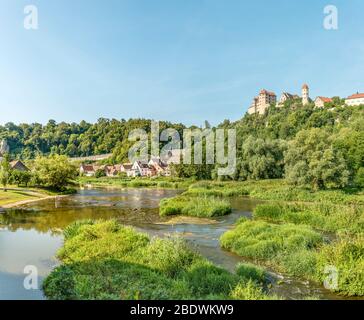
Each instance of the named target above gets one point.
<point>32,234</point>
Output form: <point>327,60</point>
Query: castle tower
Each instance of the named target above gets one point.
<point>305,94</point>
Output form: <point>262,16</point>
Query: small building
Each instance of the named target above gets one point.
<point>142,169</point>
<point>160,167</point>
<point>320,101</point>
<point>18,165</point>
<point>355,99</point>
<point>286,97</point>
<point>87,170</point>
<point>112,171</point>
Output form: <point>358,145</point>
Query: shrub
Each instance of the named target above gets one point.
<point>196,206</point>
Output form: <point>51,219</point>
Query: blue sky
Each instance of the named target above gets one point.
<point>183,61</point>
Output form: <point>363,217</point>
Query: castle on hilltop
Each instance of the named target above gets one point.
<point>266,98</point>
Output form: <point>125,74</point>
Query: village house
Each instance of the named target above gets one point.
<point>142,169</point>
<point>320,101</point>
<point>355,99</point>
<point>161,168</point>
<point>87,170</point>
<point>18,165</point>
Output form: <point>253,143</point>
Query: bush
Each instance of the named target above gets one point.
<point>359,178</point>
<point>196,206</point>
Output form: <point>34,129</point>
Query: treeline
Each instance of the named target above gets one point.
<point>318,148</point>
<point>321,148</point>
<point>26,141</point>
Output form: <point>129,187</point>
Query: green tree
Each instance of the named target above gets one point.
<point>312,159</point>
<point>100,173</point>
<point>5,171</point>
<point>261,159</point>
<point>55,171</point>
<point>21,177</point>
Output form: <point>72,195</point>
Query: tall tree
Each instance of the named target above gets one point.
<point>5,171</point>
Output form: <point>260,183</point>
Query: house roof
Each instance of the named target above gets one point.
<point>269,93</point>
<point>356,96</point>
<point>14,163</point>
<point>127,166</point>
<point>88,167</point>
<point>289,95</point>
<point>324,99</point>
<point>305,86</point>
<point>143,165</point>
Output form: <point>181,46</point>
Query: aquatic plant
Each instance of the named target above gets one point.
<point>194,206</point>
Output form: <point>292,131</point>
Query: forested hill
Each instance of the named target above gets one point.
<point>26,141</point>
<point>263,136</point>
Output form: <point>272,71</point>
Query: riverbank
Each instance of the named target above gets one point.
<point>17,196</point>
<point>156,182</point>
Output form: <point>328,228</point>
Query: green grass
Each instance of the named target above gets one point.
<point>16,194</point>
<point>287,247</point>
<point>346,256</point>
<point>203,207</point>
<point>105,260</point>
<point>300,251</point>
<point>10,197</point>
<point>324,216</point>
<point>276,190</point>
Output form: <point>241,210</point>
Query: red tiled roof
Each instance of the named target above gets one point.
<point>267,92</point>
<point>127,166</point>
<point>325,99</point>
<point>356,96</point>
<point>88,168</point>
<point>305,86</point>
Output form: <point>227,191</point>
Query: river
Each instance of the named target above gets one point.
<point>32,234</point>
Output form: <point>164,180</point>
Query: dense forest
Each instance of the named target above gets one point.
<point>319,147</point>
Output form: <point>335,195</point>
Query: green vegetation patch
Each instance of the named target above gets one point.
<point>343,261</point>
<point>323,216</point>
<point>105,260</point>
<point>205,207</point>
<point>282,246</point>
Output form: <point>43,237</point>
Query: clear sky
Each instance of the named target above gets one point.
<point>184,61</point>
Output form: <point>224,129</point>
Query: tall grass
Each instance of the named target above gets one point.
<point>324,216</point>
<point>105,260</point>
<point>276,190</point>
<point>194,206</point>
<point>282,246</point>
<point>346,259</point>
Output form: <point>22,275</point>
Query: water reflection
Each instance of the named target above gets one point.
<point>31,235</point>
